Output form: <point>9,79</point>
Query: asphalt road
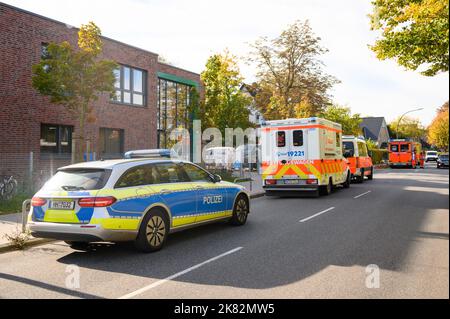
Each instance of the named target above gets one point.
<point>290,248</point>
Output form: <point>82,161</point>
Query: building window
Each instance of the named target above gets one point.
<point>111,143</point>
<point>130,86</point>
<point>173,101</point>
<point>56,139</point>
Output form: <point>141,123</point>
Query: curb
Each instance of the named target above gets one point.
<point>4,248</point>
<point>257,195</point>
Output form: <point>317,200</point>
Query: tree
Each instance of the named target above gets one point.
<point>414,33</point>
<point>342,115</point>
<point>289,74</point>
<point>438,132</point>
<point>409,128</point>
<point>74,77</point>
<point>225,105</point>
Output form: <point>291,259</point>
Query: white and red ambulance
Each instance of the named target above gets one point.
<point>302,155</point>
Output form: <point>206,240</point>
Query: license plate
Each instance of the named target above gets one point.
<point>62,204</point>
<point>291,181</point>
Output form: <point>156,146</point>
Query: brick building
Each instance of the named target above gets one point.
<point>36,136</point>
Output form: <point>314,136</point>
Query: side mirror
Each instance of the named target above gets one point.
<point>217,178</point>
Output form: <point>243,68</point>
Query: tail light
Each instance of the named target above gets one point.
<point>97,201</point>
<point>38,202</point>
<point>271,182</point>
<point>311,182</point>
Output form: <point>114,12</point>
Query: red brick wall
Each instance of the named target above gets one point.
<point>22,109</point>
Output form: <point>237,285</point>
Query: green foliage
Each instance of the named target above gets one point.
<point>379,155</point>
<point>371,144</point>
<point>74,77</point>
<point>408,128</point>
<point>438,133</point>
<point>225,106</point>
<point>342,115</point>
<point>291,82</point>
<point>414,32</point>
<point>13,205</point>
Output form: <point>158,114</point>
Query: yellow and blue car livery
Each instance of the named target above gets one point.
<point>111,213</point>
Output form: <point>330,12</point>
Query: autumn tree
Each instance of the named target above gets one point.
<point>343,115</point>
<point>408,128</point>
<point>438,132</point>
<point>74,77</point>
<point>413,32</point>
<point>290,75</point>
<point>225,105</point>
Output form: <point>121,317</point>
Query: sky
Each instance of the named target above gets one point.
<point>186,33</point>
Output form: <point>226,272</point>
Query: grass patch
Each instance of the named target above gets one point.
<point>13,205</point>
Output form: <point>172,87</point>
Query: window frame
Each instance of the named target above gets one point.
<point>101,142</point>
<point>131,90</point>
<point>57,139</point>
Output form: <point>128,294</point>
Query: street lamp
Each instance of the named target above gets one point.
<point>401,117</point>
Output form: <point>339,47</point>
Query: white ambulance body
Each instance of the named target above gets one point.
<point>302,155</point>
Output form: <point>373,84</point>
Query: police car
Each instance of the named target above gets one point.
<point>141,200</point>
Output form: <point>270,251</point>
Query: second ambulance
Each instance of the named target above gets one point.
<point>302,155</point>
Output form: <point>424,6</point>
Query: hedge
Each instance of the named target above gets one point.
<point>379,155</point>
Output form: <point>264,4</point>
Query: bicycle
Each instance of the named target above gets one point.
<point>8,187</point>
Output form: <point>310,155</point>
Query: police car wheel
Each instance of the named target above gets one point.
<point>240,211</point>
<point>153,231</point>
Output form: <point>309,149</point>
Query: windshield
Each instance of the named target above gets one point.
<point>444,157</point>
<point>432,153</point>
<point>349,147</point>
<point>77,179</point>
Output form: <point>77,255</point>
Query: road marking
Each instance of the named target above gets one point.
<point>363,194</point>
<point>178,274</point>
<point>318,214</point>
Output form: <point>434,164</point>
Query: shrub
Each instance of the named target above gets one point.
<point>379,155</point>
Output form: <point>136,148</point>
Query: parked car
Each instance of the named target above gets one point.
<point>140,200</point>
<point>442,161</point>
<point>431,156</point>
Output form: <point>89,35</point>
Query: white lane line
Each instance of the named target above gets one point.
<point>178,274</point>
<point>318,214</point>
<point>363,194</point>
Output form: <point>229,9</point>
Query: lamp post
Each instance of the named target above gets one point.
<point>401,117</point>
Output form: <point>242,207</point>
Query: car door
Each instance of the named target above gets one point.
<point>177,192</point>
<point>211,197</point>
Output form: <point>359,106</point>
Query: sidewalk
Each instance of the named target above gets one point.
<point>9,224</point>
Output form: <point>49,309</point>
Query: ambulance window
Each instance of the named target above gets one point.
<point>362,149</point>
<point>394,148</point>
<point>404,148</point>
<point>298,138</point>
<point>281,139</point>
<point>338,140</point>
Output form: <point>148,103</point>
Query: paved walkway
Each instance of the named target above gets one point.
<point>9,224</point>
